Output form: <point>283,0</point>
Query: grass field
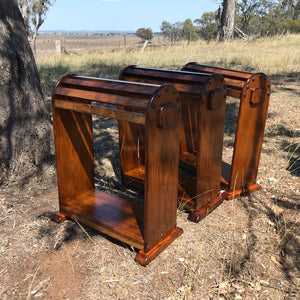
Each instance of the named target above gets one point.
<point>247,248</point>
<point>78,44</point>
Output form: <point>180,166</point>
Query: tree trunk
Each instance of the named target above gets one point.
<point>25,16</point>
<point>35,33</point>
<point>26,142</point>
<point>226,27</point>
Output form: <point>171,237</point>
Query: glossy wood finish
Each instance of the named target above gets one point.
<point>201,135</point>
<point>151,226</point>
<point>145,257</point>
<point>253,90</point>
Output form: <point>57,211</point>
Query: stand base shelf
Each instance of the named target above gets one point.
<point>110,214</point>
<point>135,177</point>
<point>115,217</point>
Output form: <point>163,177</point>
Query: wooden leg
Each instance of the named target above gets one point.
<point>245,191</point>
<point>144,258</point>
<point>59,218</point>
<point>197,216</point>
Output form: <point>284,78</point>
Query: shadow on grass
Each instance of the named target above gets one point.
<point>288,232</point>
<point>293,150</point>
<point>288,248</point>
<point>280,129</point>
<point>231,116</point>
<point>282,80</point>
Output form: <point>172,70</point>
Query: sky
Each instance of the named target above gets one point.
<point>122,15</point>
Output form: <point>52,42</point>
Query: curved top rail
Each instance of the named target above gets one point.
<point>116,92</point>
<point>189,84</point>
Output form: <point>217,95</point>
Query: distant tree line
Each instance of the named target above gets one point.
<point>251,17</point>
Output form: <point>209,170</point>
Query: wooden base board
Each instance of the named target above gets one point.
<point>242,192</point>
<point>144,258</point>
<point>115,217</point>
<point>196,216</point>
<point>109,214</point>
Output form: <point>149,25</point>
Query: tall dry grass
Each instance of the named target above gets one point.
<point>278,55</point>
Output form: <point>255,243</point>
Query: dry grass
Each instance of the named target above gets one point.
<point>247,248</point>
<point>272,55</point>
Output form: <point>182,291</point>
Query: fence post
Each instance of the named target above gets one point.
<point>58,47</point>
<point>145,45</point>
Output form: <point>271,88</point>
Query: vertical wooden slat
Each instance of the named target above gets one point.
<point>161,170</point>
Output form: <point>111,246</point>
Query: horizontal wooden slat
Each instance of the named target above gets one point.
<point>233,83</point>
<point>102,97</point>
<point>227,73</point>
<point>233,93</point>
<point>129,89</point>
<point>101,111</point>
<point>170,76</point>
<point>180,85</point>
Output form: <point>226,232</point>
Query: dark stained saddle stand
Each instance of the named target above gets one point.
<point>201,136</point>
<point>253,90</point>
<point>151,226</point>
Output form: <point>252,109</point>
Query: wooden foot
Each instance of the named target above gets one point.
<point>197,216</point>
<point>59,218</point>
<point>245,191</point>
<point>144,258</point>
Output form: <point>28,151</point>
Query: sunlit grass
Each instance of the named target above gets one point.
<point>278,55</point>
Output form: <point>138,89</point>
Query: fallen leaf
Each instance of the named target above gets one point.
<point>276,262</point>
<point>223,287</point>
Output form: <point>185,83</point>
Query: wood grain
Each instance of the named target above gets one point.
<point>155,112</point>
<point>201,132</point>
<point>253,90</point>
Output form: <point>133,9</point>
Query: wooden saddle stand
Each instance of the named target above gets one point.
<point>171,126</point>
<point>201,136</point>
<point>253,90</point>
<point>150,227</point>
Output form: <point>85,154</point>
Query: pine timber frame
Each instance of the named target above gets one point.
<point>253,90</point>
<point>201,135</point>
<point>150,227</point>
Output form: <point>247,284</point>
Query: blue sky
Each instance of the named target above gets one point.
<point>124,15</point>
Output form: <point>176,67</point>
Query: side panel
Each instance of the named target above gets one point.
<point>161,166</point>
<point>74,153</point>
<point>249,134</point>
<point>210,145</point>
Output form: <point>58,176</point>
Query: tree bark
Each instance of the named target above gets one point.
<point>26,142</point>
<point>226,27</point>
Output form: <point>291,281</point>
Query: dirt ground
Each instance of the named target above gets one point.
<point>247,248</point>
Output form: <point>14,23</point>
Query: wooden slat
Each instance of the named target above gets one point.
<point>181,86</point>
<point>233,83</point>
<point>102,97</point>
<point>101,111</point>
<point>227,73</point>
<point>233,93</point>
<point>140,90</point>
<point>169,76</point>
